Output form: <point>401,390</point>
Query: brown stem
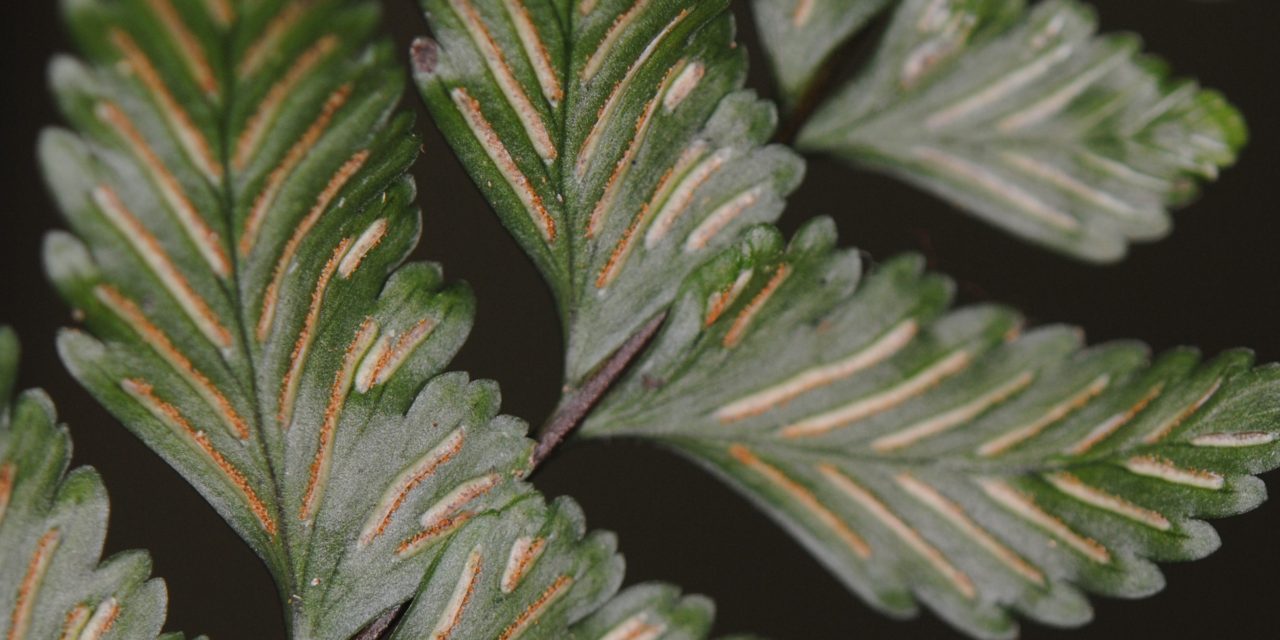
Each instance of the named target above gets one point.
<point>381,626</point>
<point>576,403</point>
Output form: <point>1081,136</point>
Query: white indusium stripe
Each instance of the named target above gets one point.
<point>172,418</point>
<point>1010,81</point>
<point>548,77</point>
<point>804,498</point>
<point>1124,172</point>
<point>221,10</point>
<point>923,60</point>
<point>532,614</point>
<point>1053,103</point>
<point>1076,488</point>
<point>622,250</point>
<point>369,239</point>
<point>1068,183</point>
<point>306,336</point>
<point>979,176</point>
<point>748,313</point>
<point>263,203</point>
<point>74,623</point>
<point>904,531</point>
<point>723,215</point>
<point>206,240</point>
<point>952,418</point>
<point>502,74</point>
<point>390,353</point>
<point>681,197</point>
<point>189,47</point>
<point>525,551</point>
<point>104,617</point>
<point>1011,439</point>
<point>719,301</point>
<point>954,514</point>
<point>637,627</point>
<point>132,315</point>
<point>620,169</point>
<point>611,36</point>
<point>8,471</point>
<point>462,592</point>
<point>879,402</point>
<point>29,588</point>
<point>269,42</point>
<point>153,254</point>
<point>398,492</point>
<point>460,497</point>
<point>1162,430</point>
<point>767,399</point>
<point>1025,508</point>
<point>684,84</point>
<point>1230,440</point>
<point>1184,93</point>
<point>1159,469</point>
<point>802,12</point>
<point>501,158</point>
<point>284,261</point>
<point>1108,427</point>
<point>191,138</point>
<point>256,127</point>
<point>604,117</point>
<point>319,472</point>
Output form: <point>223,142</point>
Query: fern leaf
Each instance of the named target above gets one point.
<point>238,194</point>
<point>799,37</point>
<point>613,139</point>
<point>1031,122</point>
<point>946,457</point>
<point>52,528</point>
<point>648,611</point>
<point>530,573</point>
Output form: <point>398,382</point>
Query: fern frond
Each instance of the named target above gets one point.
<point>529,572</point>
<point>612,138</point>
<point>1031,122</point>
<point>800,36</point>
<point>922,455</point>
<point>648,611</point>
<point>946,457</point>
<point>241,210</point>
<point>52,527</point>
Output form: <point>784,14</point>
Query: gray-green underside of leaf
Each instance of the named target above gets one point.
<point>237,191</point>
<point>800,37</point>
<point>1030,121</point>
<point>53,583</point>
<point>614,141</point>
<point>946,457</point>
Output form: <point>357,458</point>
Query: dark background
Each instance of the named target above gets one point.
<point>1213,283</point>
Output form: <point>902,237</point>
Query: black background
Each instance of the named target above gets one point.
<point>1213,283</point>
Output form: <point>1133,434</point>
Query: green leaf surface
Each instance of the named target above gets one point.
<point>237,190</point>
<point>1030,121</point>
<point>800,36</point>
<point>529,572</point>
<point>946,457</point>
<point>53,523</point>
<point>613,139</point>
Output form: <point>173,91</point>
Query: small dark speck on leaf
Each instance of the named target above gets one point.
<point>651,383</point>
<point>425,54</point>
